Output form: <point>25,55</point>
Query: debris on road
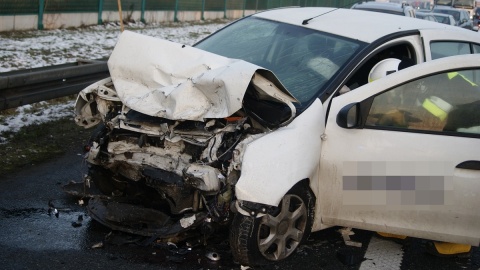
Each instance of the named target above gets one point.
<point>98,245</point>
<point>346,232</point>
<point>52,209</point>
<point>213,256</point>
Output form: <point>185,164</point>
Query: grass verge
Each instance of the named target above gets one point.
<point>37,143</point>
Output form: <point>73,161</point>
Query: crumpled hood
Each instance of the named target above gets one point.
<point>165,79</point>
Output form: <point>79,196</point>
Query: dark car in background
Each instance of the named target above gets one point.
<point>476,18</point>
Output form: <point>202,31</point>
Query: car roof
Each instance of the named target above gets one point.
<point>362,25</point>
<point>425,16</point>
<point>446,8</point>
<point>423,13</point>
<point>381,5</point>
<point>441,14</point>
<point>439,17</point>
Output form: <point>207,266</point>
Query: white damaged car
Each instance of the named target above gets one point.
<point>270,126</point>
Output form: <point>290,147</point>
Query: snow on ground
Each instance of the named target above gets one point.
<point>31,49</point>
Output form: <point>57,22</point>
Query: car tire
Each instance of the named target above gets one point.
<point>276,235</point>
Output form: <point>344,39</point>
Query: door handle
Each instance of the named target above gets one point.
<point>469,165</point>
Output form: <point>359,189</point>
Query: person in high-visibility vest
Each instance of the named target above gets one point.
<point>464,116</point>
<point>439,108</point>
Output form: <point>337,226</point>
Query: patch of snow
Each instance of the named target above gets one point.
<point>32,49</point>
<point>25,116</point>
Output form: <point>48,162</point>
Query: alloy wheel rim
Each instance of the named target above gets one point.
<point>279,235</point>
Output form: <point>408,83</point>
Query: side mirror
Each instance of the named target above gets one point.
<point>348,116</point>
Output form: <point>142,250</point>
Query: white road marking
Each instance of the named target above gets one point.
<point>382,254</point>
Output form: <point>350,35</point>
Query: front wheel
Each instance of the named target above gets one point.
<point>275,236</point>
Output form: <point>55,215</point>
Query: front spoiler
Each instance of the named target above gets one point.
<point>140,220</point>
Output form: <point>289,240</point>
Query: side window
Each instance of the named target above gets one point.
<point>444,103</point>
<point>449,48</point>
<point>476,48</point>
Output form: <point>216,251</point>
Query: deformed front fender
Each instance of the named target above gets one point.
<point>87,112</point>
<point>274,163</point>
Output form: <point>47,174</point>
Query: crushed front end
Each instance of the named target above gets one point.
<point>167,148</point>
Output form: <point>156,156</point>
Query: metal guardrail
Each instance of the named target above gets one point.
<point>28,86</point>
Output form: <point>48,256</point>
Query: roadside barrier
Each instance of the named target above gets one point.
<point>28,86</point>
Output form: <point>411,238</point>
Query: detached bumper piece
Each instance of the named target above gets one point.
<point>139,220</point>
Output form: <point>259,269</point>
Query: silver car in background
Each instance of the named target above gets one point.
<point>444,18</point>
<point>462,17</point>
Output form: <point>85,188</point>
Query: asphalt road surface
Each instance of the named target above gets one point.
<point>34,236</point>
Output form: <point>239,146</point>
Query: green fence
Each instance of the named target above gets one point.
<point>25,7</point>
<point>40,7</point>
<point>18,7</point>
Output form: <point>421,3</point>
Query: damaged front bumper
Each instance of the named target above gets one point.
<point>139,220</point>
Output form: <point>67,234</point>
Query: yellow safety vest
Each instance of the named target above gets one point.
<point>452,75</point>
<point>438,106</point>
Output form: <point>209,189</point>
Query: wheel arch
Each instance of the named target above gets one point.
<point>252,245</point>
<point>249,208</point>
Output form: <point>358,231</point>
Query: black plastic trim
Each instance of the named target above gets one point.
<point>440,133</point>
<point>469,165</point>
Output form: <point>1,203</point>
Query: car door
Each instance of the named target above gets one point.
<point>400,156</point>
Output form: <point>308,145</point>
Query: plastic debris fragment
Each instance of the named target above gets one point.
<point>346,232</point>
<point>52,209</point>
<point>98,245</point>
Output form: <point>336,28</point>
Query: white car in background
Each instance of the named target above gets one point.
<point>461,16</point>
<point>426,16</point>
<point>248,129</point>
<point>402,9</point>
<point>444,18</point>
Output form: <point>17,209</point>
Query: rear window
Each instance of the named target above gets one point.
<point>454,13</point>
